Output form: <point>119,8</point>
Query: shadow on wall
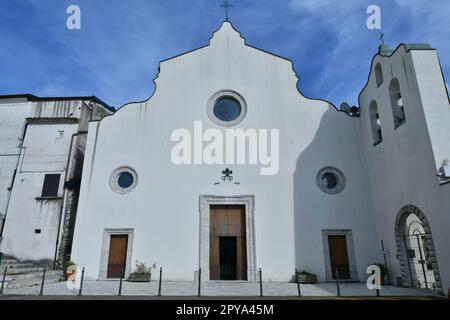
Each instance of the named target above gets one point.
<point>334,145</point>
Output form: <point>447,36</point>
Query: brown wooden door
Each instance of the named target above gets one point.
<point>227,221</point>
<point>117,256</point>
<point>338,256</point>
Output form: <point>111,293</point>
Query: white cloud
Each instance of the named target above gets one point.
<point>116,55</point>
<point>346,66</point>
<point>317,6</point>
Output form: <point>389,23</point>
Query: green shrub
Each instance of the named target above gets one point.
<point>304,273</point>
<point>141,267</point>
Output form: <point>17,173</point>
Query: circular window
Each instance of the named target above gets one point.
<point>330,180</point>
<point>226,108</point>
<point>123,180</point>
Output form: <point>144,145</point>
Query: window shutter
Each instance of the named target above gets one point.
<point>51,185</point>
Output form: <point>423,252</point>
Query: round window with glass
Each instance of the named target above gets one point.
<point>227,108</point>
<point>123,180</point>
<point>330,180</point>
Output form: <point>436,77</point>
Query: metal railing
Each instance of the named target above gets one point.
<point>159,284</point>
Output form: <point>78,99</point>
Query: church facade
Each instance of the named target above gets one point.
<point>228,168</point>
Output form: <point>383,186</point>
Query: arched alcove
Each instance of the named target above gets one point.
<point>375,123</point>
<point>415,250</point>
<point>397,104</point>
<point>378,74</point>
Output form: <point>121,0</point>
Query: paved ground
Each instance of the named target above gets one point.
<point>221,289</point>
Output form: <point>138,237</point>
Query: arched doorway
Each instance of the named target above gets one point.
<point>415,250</point>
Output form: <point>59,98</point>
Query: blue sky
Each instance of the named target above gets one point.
<point>116,53</point>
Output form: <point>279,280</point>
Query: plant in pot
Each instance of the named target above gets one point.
<point>303,276</point>
<point>68,269</point>
<point>142,272</point>
<point>383,271</point>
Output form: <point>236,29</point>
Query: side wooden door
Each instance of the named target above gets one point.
<point>338,256</point>
<point>117,256</point>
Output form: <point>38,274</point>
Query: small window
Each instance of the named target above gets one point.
<point>60,134</point>
<point>330,180</point>
<point>378,74</point>
<point>123,180</point>
<point>37,231</point>
<point>51,185</point>
<point>226,108</point>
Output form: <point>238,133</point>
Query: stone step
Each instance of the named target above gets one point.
<point>9,261</point>
<point>17,265</point>
<point>13,271</point>
<point>21,274</point>
<point>34,275</point>
<point>29,283</point>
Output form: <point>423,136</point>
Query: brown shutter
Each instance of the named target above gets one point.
<point>51,185</point>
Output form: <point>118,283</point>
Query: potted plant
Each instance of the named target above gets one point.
<point>68,270</point>
<point>142,272</point>
<point>305,277</point>
<point>383,271</point>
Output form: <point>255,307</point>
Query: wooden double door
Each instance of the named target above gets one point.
<point>228,243</point>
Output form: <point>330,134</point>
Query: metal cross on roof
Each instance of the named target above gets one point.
<point>381,37</point>
<point>227,6</point>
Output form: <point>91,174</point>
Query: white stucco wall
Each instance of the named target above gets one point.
<point>43,153</point>
<point>434,101</point>
<point>163,209</point>
<point>35,150</point>
<point>12,122</point>
<point>13,114</point>
<point>402,169</point>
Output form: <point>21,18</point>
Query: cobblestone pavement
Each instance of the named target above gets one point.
<point>105,288</point>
